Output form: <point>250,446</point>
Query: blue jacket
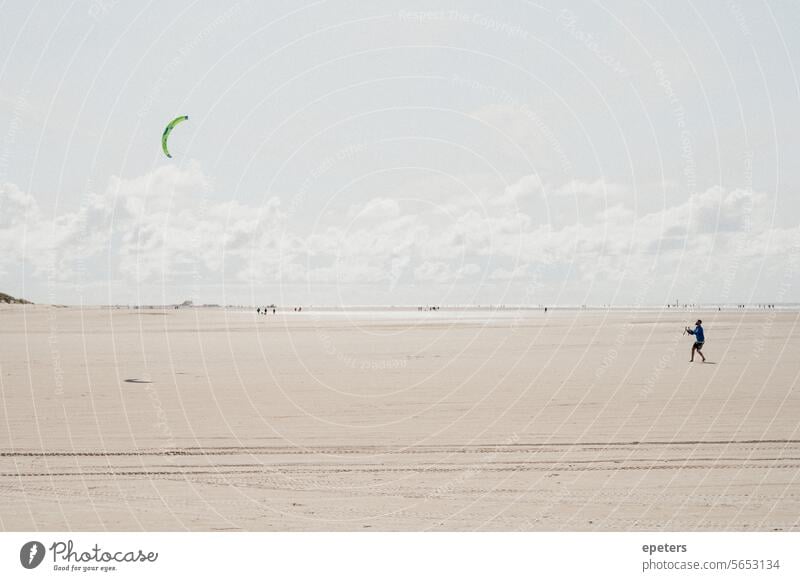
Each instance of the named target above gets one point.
<point>698,333</point>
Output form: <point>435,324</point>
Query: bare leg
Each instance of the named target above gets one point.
<point>693,350</point>
<point>701,355</point>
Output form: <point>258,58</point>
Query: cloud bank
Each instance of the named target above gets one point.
<point>168,234</point>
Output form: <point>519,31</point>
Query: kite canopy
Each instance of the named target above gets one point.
<point>168,130</point>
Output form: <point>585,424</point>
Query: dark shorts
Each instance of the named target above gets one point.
<point>698,345</point>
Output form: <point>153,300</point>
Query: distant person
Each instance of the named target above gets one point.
<point>545,309</point>
<point>273,310</point>
<point>258,310</point>
<point>699,340</point>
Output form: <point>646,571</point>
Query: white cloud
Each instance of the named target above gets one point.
<point>598,188</point>
<point>468,271</point>
<point>376,208</point>
<point>506,274</point>
<point>436,272</point>
<point>526,187</point>
<point>166,226</point>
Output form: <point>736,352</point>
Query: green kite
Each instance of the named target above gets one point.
<point>168,130</point>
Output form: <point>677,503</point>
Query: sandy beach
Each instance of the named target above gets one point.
<point>219,419</point>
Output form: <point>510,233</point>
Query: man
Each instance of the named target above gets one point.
<point>699,339</point>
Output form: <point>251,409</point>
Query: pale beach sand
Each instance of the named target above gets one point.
<point>212,419</point>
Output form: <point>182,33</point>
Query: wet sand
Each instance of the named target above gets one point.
<point>213,419</point>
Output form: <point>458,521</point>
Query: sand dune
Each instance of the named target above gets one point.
<point>211,419</point>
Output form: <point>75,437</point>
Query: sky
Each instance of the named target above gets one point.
<point>400,153</point>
